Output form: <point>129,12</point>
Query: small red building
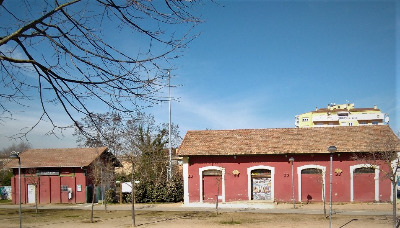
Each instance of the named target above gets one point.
<point>56,175</point>
<point>277,164</point>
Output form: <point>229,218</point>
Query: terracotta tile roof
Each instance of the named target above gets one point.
<point>65,157</point>
<point>287,140</point>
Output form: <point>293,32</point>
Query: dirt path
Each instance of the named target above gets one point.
<point>122,219</point>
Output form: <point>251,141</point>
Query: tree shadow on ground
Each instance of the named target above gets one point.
<point>348,223</point>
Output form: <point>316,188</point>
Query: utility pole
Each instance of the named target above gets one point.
<point>169,169</point>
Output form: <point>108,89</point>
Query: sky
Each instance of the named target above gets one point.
<point>258,64</point>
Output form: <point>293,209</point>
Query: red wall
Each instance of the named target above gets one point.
<point>214,188</point>
<point>236,186</point>
<point>311,187</point>
<point>49,188</point>
<point>364,187</point>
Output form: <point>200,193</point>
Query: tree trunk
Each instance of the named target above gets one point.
<point>36,198</point>
<point>394,183</point>
<point>216,203</point>
<point>133,195</point>
<point>93,195</point>
<point>323,198</point>
<point>105,203</point>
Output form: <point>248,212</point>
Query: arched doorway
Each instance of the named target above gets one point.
<point>364,185</point>
<point>311,181</point>
<point>212,184</point>
<point>261,183</point>
<point>311,184</point>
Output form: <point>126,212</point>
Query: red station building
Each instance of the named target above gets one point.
<point>257,164</point>
<point>60,175</point>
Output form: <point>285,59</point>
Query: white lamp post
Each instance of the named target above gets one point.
<point>15,155</point>
<point>332,150</point>
<point>291,160</point>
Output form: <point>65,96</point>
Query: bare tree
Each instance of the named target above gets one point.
<point>67,54</point>
<point>101,172</point>
<point>33,179</point>
<point>120,135</point>
<point>6,174</point>
<point>105,129</point>
<point>384,154</point>
<point>20,147</point>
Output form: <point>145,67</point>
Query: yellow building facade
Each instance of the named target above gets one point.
<point>341,115</point>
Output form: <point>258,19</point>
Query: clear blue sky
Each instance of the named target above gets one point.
<point>257,64</point>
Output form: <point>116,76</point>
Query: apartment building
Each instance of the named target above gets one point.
<point>341,115</point>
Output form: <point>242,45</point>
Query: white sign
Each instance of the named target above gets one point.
<point>126,187</point>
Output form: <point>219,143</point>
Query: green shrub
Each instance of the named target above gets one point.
<point>6,176</point>
<point>111,196</point>
<point>149,191</point>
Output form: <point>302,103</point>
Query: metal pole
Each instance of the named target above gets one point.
<point>169,170</point>
<point>293,187</point>
<point>133,195</point>
<point>19,191</point>
<point>330,193</point>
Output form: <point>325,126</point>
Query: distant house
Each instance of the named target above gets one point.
<point>61,175</point>
<point>255,164</point>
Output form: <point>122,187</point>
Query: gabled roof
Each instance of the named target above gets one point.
<point>289,140</point>
<point>65,157</point>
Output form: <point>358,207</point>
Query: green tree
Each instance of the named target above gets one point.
<point>153,160</point>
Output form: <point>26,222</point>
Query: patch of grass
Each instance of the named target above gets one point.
<point>5,202</point>
<point>72,216</point>
<point>231,222</point>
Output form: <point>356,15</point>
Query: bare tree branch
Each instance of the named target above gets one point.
<point>64,53</point>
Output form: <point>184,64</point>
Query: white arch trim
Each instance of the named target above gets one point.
<point>250,169</point>
<point>300,168</point>
<point>222,177</point>
<point>354,167</point>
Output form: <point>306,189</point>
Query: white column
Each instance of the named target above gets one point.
<point>185,180</point>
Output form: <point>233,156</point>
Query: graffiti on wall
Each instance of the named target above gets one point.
<point>262,188</point>
<point>5,192</point>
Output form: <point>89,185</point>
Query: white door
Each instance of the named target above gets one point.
<point>31,193</point>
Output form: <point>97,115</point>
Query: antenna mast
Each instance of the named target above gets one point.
<point>169,168</point>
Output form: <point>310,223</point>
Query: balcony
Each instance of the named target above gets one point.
<point>369,116</point>
<point>325,118</point>
<point>358,117</point>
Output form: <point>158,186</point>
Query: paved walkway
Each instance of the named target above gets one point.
<point>314,208</point>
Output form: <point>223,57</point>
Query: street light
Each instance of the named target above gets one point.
<point>15,155</point>
<point>291,160</point>
<point>332,150</point>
